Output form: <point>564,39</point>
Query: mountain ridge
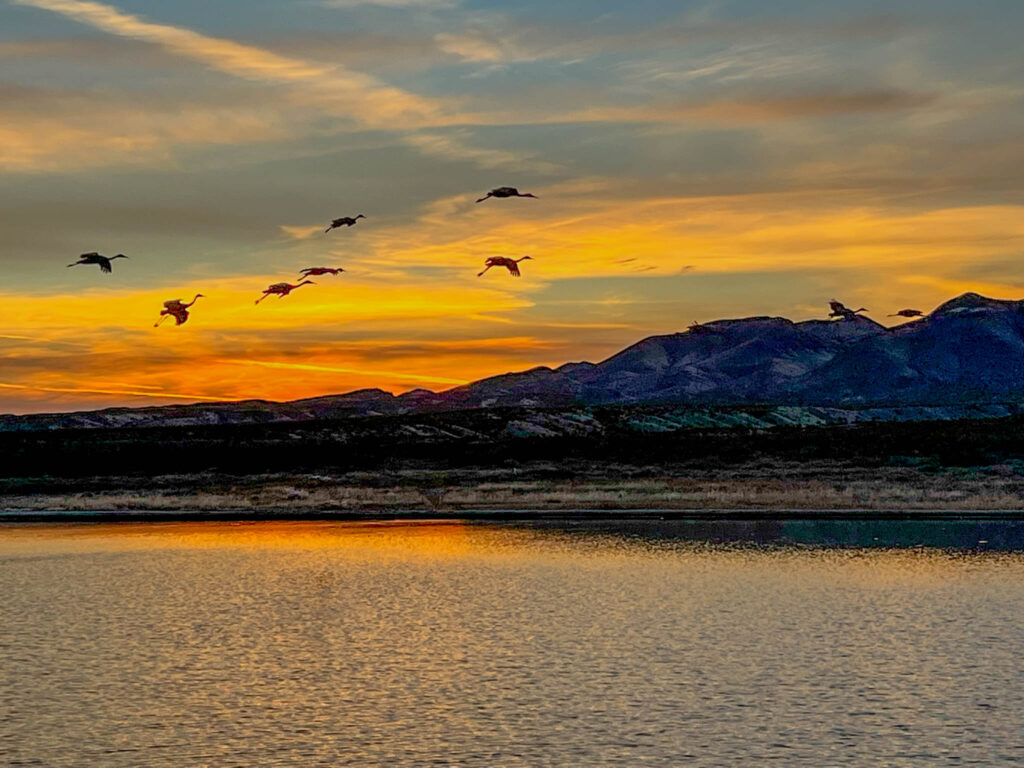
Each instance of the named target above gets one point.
<point>969,350</point>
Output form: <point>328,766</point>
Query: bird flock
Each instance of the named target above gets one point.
<point>841,310</point>
<point>178,309</point>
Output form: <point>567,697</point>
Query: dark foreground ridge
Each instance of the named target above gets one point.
<point>508,437</point>
<point>963,360</point>
<point>522,462</point>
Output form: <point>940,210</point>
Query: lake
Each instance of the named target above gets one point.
<point>595,643</point>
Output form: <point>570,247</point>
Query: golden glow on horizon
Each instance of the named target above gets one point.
<point>436,329</point>
<point>325,369</point>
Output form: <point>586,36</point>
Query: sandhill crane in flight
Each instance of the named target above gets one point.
<point>177,309</point>
<point>908,313</point>
<point>317,271</point>
<point>503,261</point>
<point>840,310</point>
<point>344,221</point>
<point>505,192</point>
<point>95,258</point>
<point>282,289</point>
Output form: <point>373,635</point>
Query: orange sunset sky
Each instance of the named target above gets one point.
<point>693,160</point>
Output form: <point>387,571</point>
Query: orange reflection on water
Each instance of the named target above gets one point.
<point>444,538</point>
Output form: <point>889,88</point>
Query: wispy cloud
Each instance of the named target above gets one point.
<point>454,148</point>
<point>331,88</point>
<point>85,133</point>
<point>749,108</point>
<point>594,326</point>
<point>430,4</point>
<point>69,138</point>
<point>737,42</point>
<point>122,392</point>
<point>478,46</point>
<point>357,96</point>
<point>352,371</point>
<point>302,232</point>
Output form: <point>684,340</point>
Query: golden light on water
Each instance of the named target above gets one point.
<point>882,568</point>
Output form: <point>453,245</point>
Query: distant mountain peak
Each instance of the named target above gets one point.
<point>574,367</point>
<point>970,300</point>
<point>372,394</point>
<point>418,392</point>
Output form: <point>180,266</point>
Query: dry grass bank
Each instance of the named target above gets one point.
<point>544,487</point>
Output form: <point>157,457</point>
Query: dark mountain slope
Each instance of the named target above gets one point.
<point>751,360</point>
<point>969,349</point>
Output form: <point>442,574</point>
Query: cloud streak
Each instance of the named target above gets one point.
<point>750,108</point>
<point>83,135</point>
<point>452,148</point>
<point>429,4</point>
<point>355,95</point>
<point>124,392</point>
<point>353,371</point>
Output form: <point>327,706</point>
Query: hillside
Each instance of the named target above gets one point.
<point>967,352</point>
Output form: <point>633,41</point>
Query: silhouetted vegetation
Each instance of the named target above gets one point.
<point>482,438</point>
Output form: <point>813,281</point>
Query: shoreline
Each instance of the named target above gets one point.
<point>753,490</point>
<point>504,515</point>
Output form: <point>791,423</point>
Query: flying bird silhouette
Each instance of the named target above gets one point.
<point>908,313</point>
<point>177,309</point>
<point>841,310</point>
<point>317,271</point>
<point>94,258</point>
<point>503,261</point>
<point>282,289</point>
<point>344,221</point>
<point>505,192</point>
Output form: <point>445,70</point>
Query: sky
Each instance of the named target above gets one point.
<point>692,161</point>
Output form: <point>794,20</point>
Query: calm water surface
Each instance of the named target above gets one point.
<point>322,644</point>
